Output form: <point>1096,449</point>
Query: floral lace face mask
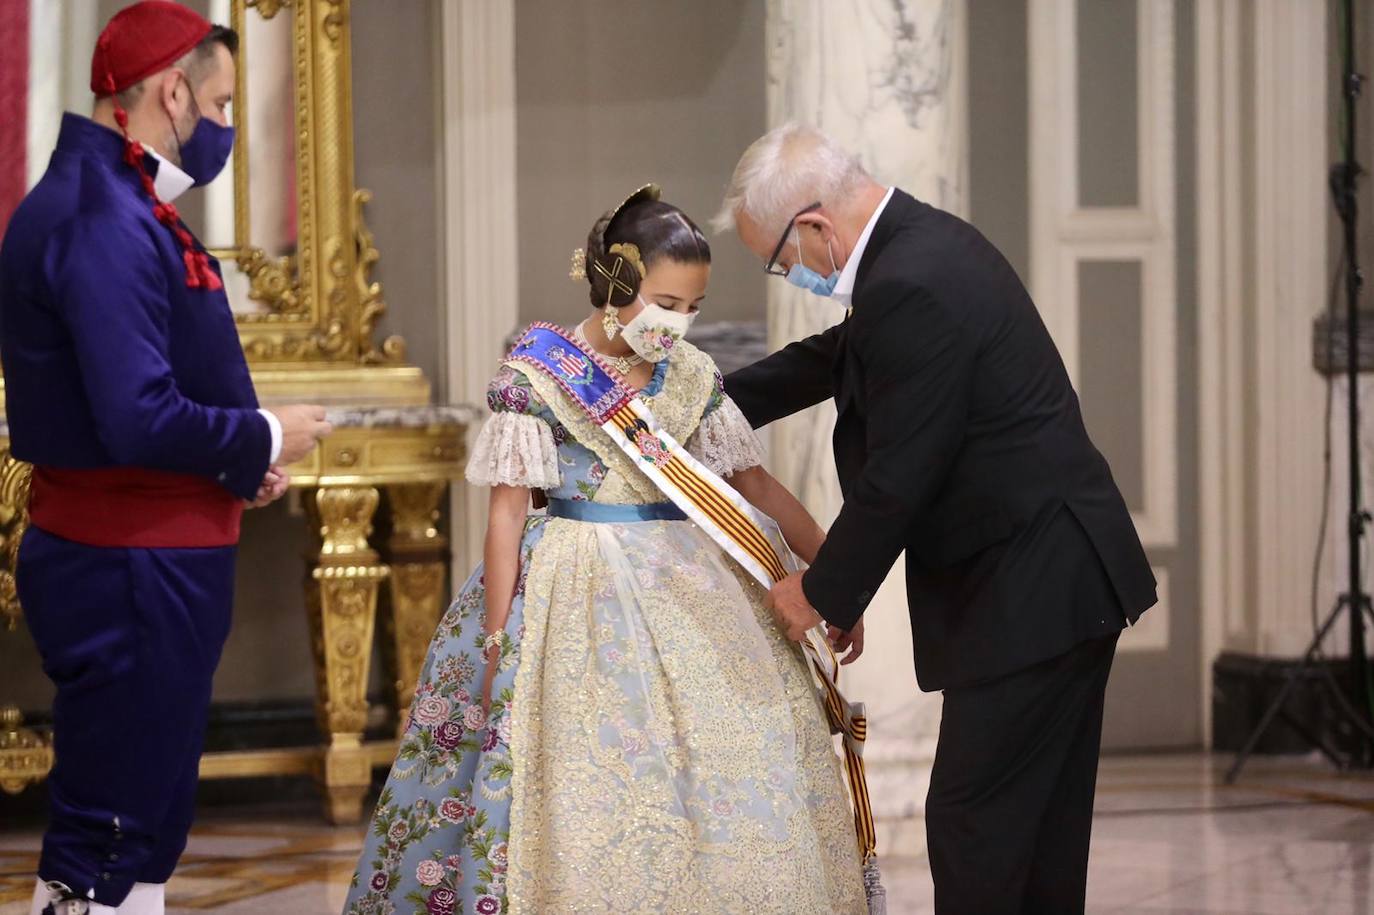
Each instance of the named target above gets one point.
<point>654,332</point>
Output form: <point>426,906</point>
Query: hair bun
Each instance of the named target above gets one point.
<point>629,239</point>
<point>616,274</point>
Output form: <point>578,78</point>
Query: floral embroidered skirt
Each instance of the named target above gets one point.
<point>654,745</point>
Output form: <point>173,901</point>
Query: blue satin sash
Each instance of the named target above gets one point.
<point>598,513</point>
<point>578,371</point>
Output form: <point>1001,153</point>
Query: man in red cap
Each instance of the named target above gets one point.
<point>126,388</point>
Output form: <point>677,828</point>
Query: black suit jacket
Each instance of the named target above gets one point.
<point>959,440</point>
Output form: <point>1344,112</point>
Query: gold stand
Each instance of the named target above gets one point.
<point>418,555</point>
<point>342,605</point>
<point>342,482</point>
<point>25,756</point>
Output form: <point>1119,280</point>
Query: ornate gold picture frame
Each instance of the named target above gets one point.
<point>320,305</point>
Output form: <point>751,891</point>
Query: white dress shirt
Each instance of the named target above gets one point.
<point>169,181</point>
<point>275,425</point>
<point>844,287</point>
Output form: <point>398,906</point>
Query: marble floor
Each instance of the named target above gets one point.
<point>1294,838</point>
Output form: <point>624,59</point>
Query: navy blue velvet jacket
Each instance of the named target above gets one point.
<point>110,360</point>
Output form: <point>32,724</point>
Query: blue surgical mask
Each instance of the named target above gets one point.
<point>804,277</point>
<point>207,149</point>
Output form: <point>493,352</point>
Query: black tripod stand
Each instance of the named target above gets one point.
<point>1357,708</point>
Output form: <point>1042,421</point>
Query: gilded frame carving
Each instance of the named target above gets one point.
<point>321,305</point>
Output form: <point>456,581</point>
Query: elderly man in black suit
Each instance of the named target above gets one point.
<point>959,440</point>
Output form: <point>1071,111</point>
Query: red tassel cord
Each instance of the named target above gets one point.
<point>199,273</point>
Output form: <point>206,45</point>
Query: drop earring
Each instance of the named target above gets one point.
<point>609,322</point>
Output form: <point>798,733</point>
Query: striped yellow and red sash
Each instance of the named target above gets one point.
<point>750,537</point>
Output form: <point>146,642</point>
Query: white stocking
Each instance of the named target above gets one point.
<point>145,899</point>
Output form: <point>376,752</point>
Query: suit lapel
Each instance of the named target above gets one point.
<point>845,382</point>
<point>848,373</point>
<point>899,210</point>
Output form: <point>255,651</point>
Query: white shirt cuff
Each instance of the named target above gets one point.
<point>275,425</point>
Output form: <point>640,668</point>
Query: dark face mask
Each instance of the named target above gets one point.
<point>207,149</point>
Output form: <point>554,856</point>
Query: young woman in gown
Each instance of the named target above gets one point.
<point>608,719</point>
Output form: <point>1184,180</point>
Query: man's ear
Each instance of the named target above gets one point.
<point>170,90</point>
<point>817,222</point>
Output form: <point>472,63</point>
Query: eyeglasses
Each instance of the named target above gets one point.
<point>772,268</point>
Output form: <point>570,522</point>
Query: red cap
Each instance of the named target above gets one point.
<point>142,39</point>
<point>139,41</point>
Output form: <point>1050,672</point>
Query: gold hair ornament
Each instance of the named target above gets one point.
<point>612,274</point>
<point>648,191</point>
<point>631,254</point>
<point>578,270</point>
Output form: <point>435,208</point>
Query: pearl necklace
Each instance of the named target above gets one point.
<point>622,364</point>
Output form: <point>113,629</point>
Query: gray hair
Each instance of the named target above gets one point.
<point>786,169</point>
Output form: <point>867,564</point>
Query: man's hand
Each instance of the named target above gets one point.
<point>853,641</point>
<point>302,427</point>
<point>273,487</point>
<point>792,611</point>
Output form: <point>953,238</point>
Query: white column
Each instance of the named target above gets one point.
<point>1222,447</point>
<point>218,229</point>
<point>61,38</point>
<point>478,219</point>
<point>887,78</point>
<point>1289,286</point>
<point>45,86</point>
<point>1262,236</point>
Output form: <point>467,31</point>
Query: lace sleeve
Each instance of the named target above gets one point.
<point>516,446</point>
<point>724,441</point>
<point>514,450</point>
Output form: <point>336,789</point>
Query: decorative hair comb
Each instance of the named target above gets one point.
<point>648,191</point>
<point>632,256</point>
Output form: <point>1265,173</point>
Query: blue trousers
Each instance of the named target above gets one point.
<point>131,639</point>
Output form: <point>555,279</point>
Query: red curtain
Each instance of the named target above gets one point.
<point>14,99</point>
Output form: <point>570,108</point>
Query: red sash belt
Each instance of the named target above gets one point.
<point>132,507</point>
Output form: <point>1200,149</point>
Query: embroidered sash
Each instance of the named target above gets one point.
<point>746,534</point>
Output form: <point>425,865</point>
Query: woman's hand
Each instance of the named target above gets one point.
<point>501,573</point>
<point>491,654</point>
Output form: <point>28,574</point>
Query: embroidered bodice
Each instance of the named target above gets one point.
<point>536,436</point>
